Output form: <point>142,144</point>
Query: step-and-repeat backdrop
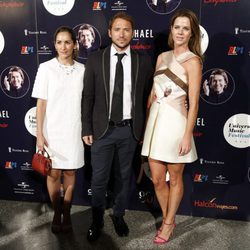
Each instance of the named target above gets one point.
<point>218,183</point>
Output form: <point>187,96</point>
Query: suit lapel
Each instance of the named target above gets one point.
<point>134,72</point>
<point>106,73</point>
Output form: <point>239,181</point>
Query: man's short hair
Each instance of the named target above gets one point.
<point>122,15</point>
<point>86,27</point>
<point>220,72</point>
<point>15,69</point>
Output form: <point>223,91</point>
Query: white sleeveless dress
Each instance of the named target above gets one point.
<point>168,116</point>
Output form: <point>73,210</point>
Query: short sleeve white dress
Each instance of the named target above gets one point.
<point>61,86</point>
<point>168,116</point>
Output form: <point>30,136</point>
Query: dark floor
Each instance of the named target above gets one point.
<point>26,225</point>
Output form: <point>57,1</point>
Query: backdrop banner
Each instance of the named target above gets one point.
<point>218,183</point>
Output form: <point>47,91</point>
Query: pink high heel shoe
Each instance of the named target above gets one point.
<point>159,240</point>
<point>160,229</point>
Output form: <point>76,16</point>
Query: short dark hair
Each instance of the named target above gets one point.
<point>122,15</point>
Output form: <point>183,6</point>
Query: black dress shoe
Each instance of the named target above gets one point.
<point>121,227</point>
<point>94,233</point>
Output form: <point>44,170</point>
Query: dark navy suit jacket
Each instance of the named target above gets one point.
<point>96,96</point>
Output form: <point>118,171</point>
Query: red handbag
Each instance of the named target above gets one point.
<point>41,162</point>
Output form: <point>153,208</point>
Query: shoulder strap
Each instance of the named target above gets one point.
<point>175,79</point>
<point>159,72</point>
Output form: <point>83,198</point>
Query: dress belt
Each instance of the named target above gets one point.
<point>122,123</point>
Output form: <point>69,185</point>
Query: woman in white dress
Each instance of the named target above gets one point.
<point>58,89</point>
<point>168,139</point>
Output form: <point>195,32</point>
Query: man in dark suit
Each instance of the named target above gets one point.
<point>117,82</point>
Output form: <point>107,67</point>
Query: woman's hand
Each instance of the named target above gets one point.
<point>185,145</point>
<point>40,142</point>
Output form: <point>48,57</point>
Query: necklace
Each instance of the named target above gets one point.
<point>67,69</point>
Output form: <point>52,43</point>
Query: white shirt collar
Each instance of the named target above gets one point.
<point>114,51</point>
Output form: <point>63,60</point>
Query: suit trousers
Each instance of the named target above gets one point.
<point>119,141</point>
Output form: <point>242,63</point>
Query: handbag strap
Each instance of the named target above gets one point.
<point>172,76</point>
<point>43,151</point>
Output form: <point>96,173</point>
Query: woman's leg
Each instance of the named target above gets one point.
<point>68,186</point>
<point>158,171</point>
<point>175,197</point>
<point>53,185</point>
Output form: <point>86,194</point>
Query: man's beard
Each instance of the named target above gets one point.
<point>121,47</point>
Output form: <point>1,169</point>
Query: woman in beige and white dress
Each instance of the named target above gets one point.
<point>58,89</point>
<point>168,140</point>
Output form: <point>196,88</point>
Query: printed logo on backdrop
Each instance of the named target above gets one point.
<point>217,86</point>
<point>30,121</point>
<point>143,39</point>
<point>30,32</point>
<point>58,7</point>
<point>200,178</point>
<point>119,6</point>
<point>215,2</point>
<point>44,50</point>
<point>27,50</point>
<point>11,4</point>
<point>17,150</point>
<point>211,162</point>
<point>15,82</point>
<point>4,125</point>
<point>99,5</point>
<point>10,165</point>
<point>199,123</point>
<point>146,197</point>
<point>26,166</point>
<point>238,31</point>
<point>88,39</point>
<point>4,114</point>
<point>23,188</point>
<point>204,39</point>
<point>1,42</point>
<point>213,205</point>
<point>235,51</point>
<point>237,130</point>
<point>220,179</point>
<point>163,7</point>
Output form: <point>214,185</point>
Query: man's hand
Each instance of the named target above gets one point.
<point>167,92</point>
<point>88,139</point>
<point>206,87</point>
<point>6,83</point>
